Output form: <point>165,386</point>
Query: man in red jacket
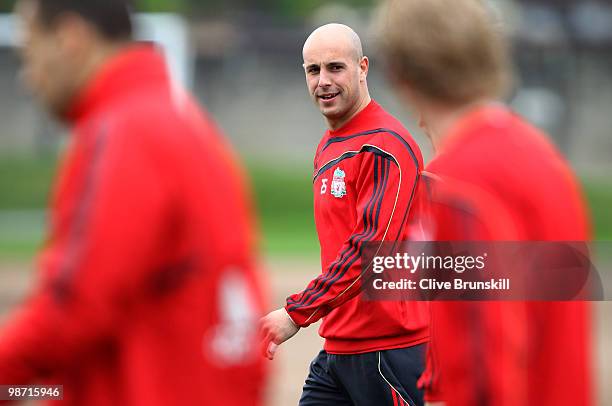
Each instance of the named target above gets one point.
<point>366,172</point>
<point>497,178</point>
<point>148,292</point>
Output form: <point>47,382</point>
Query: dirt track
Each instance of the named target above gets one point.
<point>291,365</point>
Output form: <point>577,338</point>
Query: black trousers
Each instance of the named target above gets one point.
<point>377,378</point>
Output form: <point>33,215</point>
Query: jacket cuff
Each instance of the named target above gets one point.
<point>297,317</point>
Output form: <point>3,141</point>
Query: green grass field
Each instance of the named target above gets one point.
<point>283,197</point>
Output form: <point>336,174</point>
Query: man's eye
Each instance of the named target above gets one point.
<point>335,68</point>
<point>313,70</point>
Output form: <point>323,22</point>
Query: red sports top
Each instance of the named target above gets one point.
<point>147,293</point>
<point>366,178</point>
<point>501,179</point>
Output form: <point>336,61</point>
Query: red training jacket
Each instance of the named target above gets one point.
<point>147,293</point>
<point>500,179</point>
<point>366,180</point>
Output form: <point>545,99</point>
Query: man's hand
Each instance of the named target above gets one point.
<point>275,328</point>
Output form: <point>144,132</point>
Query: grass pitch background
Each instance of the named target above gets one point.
<point>283,199</point>
<point>283,195</point>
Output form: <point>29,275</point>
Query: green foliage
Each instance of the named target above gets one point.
<point>161,5</point>
<point>280,8</point>
<point>289,8</point>
<point>305,7</point>
<point>7,6</point>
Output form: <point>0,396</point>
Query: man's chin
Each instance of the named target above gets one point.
<point>57,111</point>
<point>56,107</point>
<point>330,112</point>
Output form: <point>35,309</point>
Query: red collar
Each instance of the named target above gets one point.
<point>494,115</point>
<point>358,123</point>
<point>135,67</point>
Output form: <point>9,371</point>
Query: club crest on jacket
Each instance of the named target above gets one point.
<point>338,187</point>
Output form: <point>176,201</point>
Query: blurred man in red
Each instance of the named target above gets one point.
<point>147,292</point>
<point>496,178</point>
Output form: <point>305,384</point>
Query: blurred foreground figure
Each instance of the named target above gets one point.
<point>495,178</point>
<point>147,293</point>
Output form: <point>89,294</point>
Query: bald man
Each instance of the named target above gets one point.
<point>366,176</point>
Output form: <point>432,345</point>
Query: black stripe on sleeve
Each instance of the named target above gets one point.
<point>350,249</point>
<point>341,267</point>
<point>76,235</point>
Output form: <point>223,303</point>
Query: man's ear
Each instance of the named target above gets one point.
<point>364,67</point>
<point>422,121</point>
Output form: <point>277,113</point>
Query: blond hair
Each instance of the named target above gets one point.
<point>449,51</point>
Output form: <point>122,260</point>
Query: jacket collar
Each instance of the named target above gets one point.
<point>133,68</point>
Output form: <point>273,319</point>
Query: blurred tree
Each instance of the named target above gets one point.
<point>140,5</point>
<point>7,6</point>
<point>278,8</point>
<point>302,8</point>
<point>293,9</point>
<point>162,5</point>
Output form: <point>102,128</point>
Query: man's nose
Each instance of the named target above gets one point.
<point>324,79</point>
